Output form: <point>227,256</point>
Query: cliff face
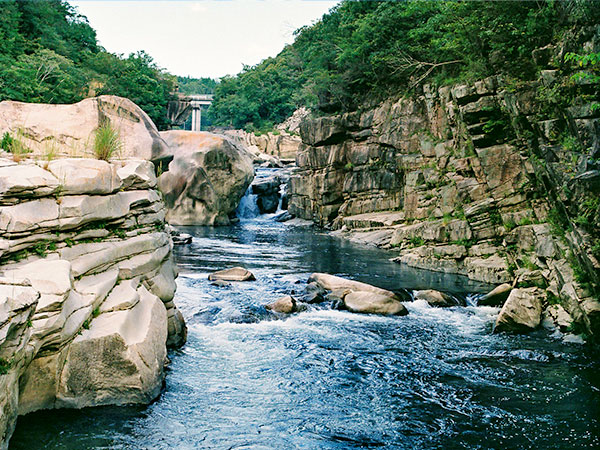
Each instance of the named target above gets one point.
<point>485,180</point>
<point>86,286</point>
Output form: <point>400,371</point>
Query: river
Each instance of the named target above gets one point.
<point>324,379</point>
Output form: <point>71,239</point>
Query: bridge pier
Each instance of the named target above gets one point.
<point>197,118</point>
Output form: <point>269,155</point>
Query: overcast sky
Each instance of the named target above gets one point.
<point>208,38</point>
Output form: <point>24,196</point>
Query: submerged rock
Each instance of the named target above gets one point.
<point>365,302</point>
<point>522,311</point>
<point>496,297</point>
<point>438,299</point>
<point>220,283</point>
<point>233,274</point>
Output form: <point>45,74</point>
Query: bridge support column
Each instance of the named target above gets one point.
<point>197,119</point>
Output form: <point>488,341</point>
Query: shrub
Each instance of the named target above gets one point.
<point>107,141</point>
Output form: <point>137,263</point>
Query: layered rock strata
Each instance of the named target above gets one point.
<point>86,286</point>
<point>483,180</point>
<point>207,178</point>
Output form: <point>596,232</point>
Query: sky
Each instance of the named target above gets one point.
<point>207,38</point>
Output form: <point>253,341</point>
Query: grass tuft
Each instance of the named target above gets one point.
<point>107,141</point>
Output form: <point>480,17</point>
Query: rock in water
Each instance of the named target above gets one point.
<point>438,299</point>
<point>496,297</point>
<point>206,180</point>
<point>356,296</point>
<point>267,194</point>
<point>522,311</point>
<point>233,274</point>
<point>372,303</point>
<point>285,305</point>
<point>333,283</point>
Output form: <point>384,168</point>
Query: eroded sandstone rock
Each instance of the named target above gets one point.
<point>69,129</point>
<point>206,179</point>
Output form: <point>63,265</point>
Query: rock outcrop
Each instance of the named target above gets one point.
<point>68,130</point>
<point>482,180</point>
<point>207,178</point>
<point>283,143</point>
<point>86,286</point>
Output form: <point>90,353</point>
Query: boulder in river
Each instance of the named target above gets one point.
<point>233,274</point>
<point>267,194</point>
<point>356,296</point>
<point>284,305</point>
<point>496,297</point>
<point>366,302</point>
<point>438,299</point>
<point>334,283</point>
<point>206,180</point>
<point>522,311</point>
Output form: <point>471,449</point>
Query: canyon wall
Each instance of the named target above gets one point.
<point>86,286</point>
<point>492,180</point>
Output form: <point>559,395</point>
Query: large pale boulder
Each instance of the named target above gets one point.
<point>206,179</point>
<point>373,303</point>
<point>334,283</point>
<point>69,129</point>
<point>129,369</point>
<point>522,311</point>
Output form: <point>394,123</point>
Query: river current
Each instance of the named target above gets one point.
<point>325,379</point>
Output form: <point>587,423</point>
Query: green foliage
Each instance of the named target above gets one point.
<point>49,53</point>
<point>15,144</point>
<point>196,86</point>
<point>96,312</point>
<point>107,141</point>
<point>5,366</point>
<point>416,241</point>
<point>86,323</point>
<point>367,50</point>
<point>29,323</point>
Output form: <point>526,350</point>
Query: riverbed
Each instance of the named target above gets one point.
<point>327,379</point>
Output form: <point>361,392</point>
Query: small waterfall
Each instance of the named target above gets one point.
<point>248,209</point>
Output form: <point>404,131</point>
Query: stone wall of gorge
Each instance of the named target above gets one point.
<point>86,286</point>
<point>489,180</point>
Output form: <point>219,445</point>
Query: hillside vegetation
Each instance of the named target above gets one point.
<point>49,53</point>
<point>363,51</point>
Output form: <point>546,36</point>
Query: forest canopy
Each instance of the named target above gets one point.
<point>363,51</point>
<point>49,53</point>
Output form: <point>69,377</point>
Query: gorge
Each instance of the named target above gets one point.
<point>382,243</point>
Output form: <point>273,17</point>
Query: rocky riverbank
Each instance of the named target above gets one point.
<point>87,286</point>
<point>481,180</point>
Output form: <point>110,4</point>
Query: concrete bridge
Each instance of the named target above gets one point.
<point>179,110</point>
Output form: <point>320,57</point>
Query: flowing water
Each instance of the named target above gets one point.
<point>323,379</point>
